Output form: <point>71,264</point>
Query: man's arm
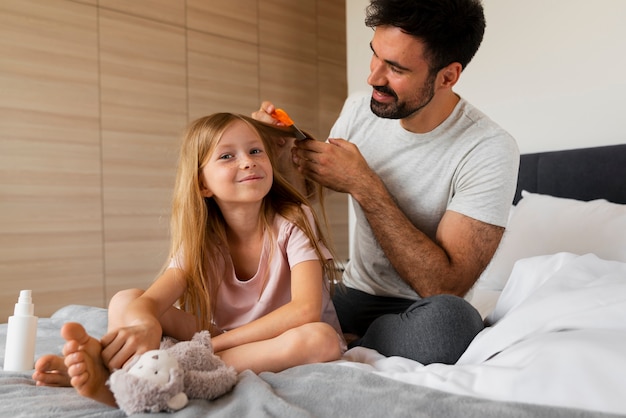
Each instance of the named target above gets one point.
<point>450,264</point>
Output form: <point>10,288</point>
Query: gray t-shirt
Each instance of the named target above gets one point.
<point>468,164</point>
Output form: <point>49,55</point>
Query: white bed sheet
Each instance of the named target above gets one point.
<point>558,338</point>
<point>484,300</point>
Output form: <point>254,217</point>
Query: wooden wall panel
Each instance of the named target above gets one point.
<point>288,28</point>
<point>50,194</point>
<point>332,71</point>
<point>94,97</point>
<point>232,19</point>
<point>331,29</point>
<point>167,11</point>
<point>288,58</point>
<point>223,75</point>
<point>292,86</point>
<point>143,95</point>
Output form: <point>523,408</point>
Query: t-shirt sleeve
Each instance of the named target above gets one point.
<point>486,180</point>
<point>176,262</point>
<point>299,247</point>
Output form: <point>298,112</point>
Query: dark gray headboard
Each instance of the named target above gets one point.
<point>583,174</point>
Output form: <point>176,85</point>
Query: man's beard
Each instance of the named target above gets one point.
<point>402,110</point>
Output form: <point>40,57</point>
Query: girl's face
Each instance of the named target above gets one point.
<point>239,169</point>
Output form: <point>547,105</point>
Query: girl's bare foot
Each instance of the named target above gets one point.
<point>50,370</point>
<point>85,367</point>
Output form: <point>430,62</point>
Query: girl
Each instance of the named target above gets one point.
<point>247,262</point>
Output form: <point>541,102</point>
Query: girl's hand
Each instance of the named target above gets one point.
<point>121,345</point>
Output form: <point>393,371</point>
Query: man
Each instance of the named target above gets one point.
<point>431,178</point>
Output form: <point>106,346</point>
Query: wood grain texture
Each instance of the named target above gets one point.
<point>143,96</point>
<point>232,19</point>
<point>223,75</point>
<point>331,32</point>
<point>50,183</point>
<point>288,59</point>
<point>94,95</point>
<point>331,78</point>
<point>166,11</point>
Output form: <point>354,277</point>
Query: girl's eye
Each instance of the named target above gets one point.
<point>225,156</point>
<point>256,151</point>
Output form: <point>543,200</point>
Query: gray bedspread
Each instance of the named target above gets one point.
<point>319,390</point>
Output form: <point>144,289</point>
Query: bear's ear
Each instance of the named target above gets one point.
<point>167,342</point>
<point>204,338</point>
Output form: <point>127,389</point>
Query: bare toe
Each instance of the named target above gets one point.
<point>84,364</point>
<point>73,331</point>
<point>50,370</point>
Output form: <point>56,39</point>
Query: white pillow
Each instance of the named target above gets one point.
<point>544,225</point>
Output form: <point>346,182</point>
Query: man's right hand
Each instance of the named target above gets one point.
<point>264,114</point>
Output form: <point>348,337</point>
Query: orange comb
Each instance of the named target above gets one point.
<point>282,116</point>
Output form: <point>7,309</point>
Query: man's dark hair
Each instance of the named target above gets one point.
<point>451,30</point>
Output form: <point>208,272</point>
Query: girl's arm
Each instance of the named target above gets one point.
<point>135,327</point>
<point>305,306</point>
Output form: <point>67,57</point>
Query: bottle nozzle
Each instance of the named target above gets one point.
<point>24,305</point>
<point>25,296</point>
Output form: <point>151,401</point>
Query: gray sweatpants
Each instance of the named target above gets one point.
<point>436,329</point>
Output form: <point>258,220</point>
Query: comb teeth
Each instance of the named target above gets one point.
<point>282,116</point>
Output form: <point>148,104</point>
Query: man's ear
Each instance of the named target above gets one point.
<point>449,75</point>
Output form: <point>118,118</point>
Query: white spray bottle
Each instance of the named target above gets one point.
<point>21,334</point>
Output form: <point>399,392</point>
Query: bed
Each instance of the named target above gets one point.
<point>554,298</point>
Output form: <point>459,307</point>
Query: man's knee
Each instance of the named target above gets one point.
<point>449,310</point>
<point>449,315</point>
<point>432,330</point>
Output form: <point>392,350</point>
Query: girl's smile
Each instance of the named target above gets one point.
<point>250,178</point>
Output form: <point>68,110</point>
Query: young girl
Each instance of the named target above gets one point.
<point>247,262</point>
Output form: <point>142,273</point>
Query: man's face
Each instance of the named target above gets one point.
<point>399,74</point>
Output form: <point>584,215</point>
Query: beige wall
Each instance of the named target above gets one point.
<point>93,97</point>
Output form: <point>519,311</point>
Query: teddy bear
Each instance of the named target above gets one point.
<point>165,379</point>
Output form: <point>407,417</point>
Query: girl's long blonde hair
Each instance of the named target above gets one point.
<point>198,230</point>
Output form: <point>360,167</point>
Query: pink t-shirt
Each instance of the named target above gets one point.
<point>240,302</point>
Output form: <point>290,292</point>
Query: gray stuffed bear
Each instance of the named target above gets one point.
<point>165,379</point>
